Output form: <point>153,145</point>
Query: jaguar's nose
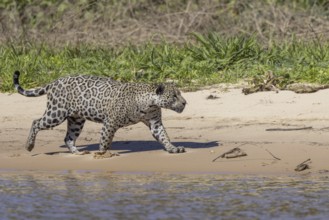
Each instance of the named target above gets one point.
<point>182,100</point>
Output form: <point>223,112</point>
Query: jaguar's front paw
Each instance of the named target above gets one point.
<point>175,150</point>
<point>29,146</point>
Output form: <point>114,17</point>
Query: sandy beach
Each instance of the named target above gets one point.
<point>277,131</point>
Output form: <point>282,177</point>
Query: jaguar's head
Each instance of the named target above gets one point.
<point>168,96</point>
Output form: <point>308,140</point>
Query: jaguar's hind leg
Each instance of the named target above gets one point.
<point>49,119</point>
<point>33,133</point>
<point>74,127</point>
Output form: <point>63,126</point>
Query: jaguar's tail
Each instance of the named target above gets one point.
<point>28,93</point>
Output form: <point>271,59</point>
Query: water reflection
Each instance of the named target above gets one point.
<point>102,195</point>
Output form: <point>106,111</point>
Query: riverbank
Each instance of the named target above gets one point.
<point>277,131</point>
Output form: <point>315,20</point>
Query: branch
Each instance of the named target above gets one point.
<point>288,129</point>
<point>235,152</point>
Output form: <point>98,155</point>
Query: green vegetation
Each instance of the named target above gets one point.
<point>196,46</point>
<point>210,59</point>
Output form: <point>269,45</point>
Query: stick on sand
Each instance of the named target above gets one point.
<point>288,129</point>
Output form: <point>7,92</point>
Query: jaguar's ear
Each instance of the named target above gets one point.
<point>160,89</point>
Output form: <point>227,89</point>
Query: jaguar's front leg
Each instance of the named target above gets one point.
<point>159,133</point>
<point>107,134</point>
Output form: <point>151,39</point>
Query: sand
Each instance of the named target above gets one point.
<point>207,128</point>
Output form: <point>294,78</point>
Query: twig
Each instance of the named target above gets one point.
<point>238,151</point>
<point>273,155</point>
<point>324,128</point>
<point>289,129</point>
<point>309,159</point>
<point>303,166</point>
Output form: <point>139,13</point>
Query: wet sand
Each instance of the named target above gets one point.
<point>207,128</point>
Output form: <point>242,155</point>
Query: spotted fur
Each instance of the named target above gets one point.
<point>103,100</point>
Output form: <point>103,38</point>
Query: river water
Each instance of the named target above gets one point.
<point>108,195</point>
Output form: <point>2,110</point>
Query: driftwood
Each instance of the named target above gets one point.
<point>305,87</point>
<point>288,129</point>
<point>234,153</point>
<point>267,82</point>
<point>270,82</point>
<point>303,166</point>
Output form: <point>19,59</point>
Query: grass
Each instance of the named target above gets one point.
<point>205,60</point>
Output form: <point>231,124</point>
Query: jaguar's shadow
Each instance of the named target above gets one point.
<point>141,146</point>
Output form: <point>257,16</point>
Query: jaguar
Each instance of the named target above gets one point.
<point>103,100</point>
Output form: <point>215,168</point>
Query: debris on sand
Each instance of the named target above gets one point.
<point>303,166</point>
<point>234,153</point>
<point>266,82</point>
<point>289,129</point>
<point>212,97</point>
<point>103,155</point>
<point>269,82</point>
<point>305,87</point>
<point>273,155</point>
